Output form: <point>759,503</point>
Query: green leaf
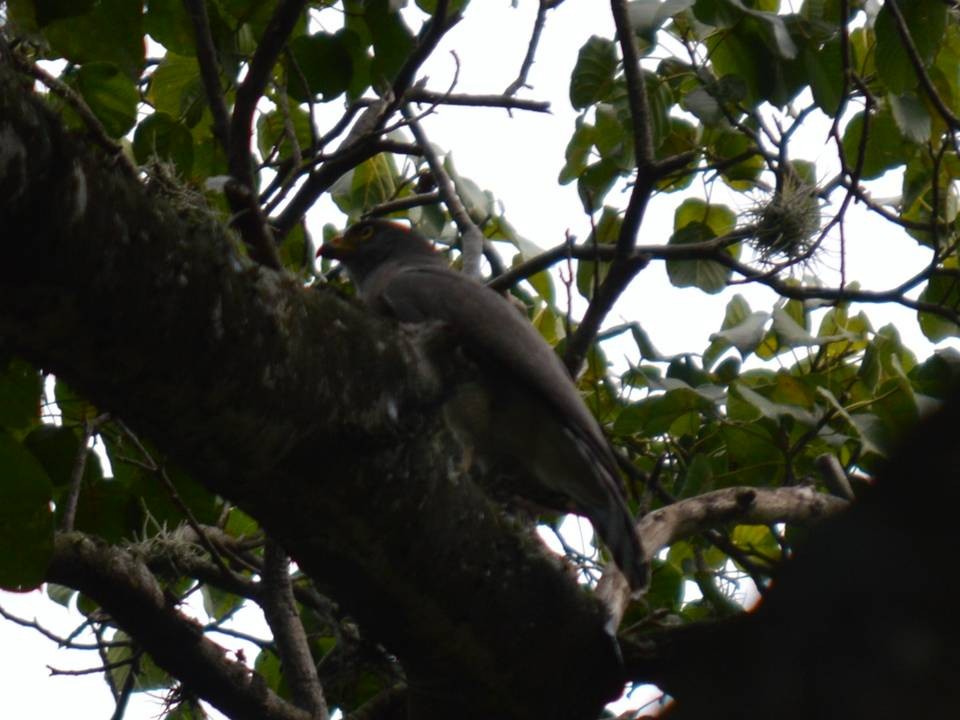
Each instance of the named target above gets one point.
<point>47,11</point>
<point>725,147</point>
<point>110,94</point>
<point>941,290</point>
<point>595,182</point>
<point>746,335</point>
<point>695,221</point>
<point>479,204</point>
<point>885,146</point>
<point>324,62</point>
<point>925,21</point>
<point>392,40</point>
<point>578,151</point>
<point>911,117</point>
<point>698,477</point>
<point>168,22</point>
<point>176,88</point>
<point>149,676</point>
<point>591,273</point>
<point>775,410</point>
<point>160,136</point>
<point>646,16</point>
<point>112,31</point>
<point>824,66</point>
<point>272,132</point>
<point>594,73</point>
<point>26,517</point>
<point>55,447</point>
<point>21,387</point>
<point>454,7</point>
<point>752,456</point>
<point>372,182</point>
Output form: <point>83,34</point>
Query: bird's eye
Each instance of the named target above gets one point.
<point>366,232</point>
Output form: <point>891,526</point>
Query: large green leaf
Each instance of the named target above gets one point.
<point>695,221</point>
<point>26,517</point>
<point>20,393</point>
<point>163,137</point>
<point>322,61</point>
<point>392,40</point>
<point>925,22</point>
<point>941,290</point>
<point>110,94</point>
<point>46,11</point>
<point>112,31</point>
<point>885,147</point>
<point>176,88</point>
<point>593,76</point>
<point>591,273</point>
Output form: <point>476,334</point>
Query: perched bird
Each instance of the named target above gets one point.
<point>525,411</point>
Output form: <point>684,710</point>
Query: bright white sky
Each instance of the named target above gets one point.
<point>519,159</point>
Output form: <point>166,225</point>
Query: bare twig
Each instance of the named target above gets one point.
<point>528,58</point>
<point>61,641</point>
<point>471,237</point>
<point>404,203</point>
<point>420,95</point>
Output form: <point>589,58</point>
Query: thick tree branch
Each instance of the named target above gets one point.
<point>129,592</point>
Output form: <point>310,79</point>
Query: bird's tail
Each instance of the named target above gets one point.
<point>616,527</point>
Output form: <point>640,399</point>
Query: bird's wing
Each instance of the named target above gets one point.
<point>494,332</point>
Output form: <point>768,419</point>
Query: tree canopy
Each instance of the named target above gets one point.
<point>188,400</point>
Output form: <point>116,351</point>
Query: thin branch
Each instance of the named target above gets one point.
<point>471,237</point>
<point>538,23</point>
<point>209,70</point>
<point>421,95</point>
<point>363,140</point>
<point>280,610</point>
<point>76,478</point>
<point>248,217</point>
<point>430,35</point>
<point>61,641</point>
<point>404,203</point>
<point>90,671</point>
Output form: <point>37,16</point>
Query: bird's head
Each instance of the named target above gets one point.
<point>369,243</point>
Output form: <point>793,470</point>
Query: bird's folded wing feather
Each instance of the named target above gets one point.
<point>494,332</point>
